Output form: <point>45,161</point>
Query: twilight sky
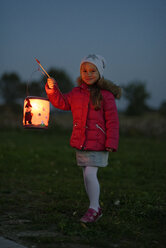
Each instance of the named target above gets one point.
<point>130,34</point>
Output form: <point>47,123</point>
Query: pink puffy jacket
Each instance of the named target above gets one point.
<point>92,129</point>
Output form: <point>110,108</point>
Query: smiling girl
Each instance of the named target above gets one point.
<point>95,124</point>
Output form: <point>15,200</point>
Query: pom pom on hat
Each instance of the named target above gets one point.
<point>96,60</point>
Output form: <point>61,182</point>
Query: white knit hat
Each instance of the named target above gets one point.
<point>96,60</point>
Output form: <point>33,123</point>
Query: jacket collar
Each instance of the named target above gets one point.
<point>103,84</point>
<point>84,86</point>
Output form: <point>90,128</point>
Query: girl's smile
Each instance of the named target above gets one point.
<point>89,73</point>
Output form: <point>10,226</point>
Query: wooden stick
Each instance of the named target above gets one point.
<point>42,67</point>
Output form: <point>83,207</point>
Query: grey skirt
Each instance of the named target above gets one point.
<point>92,158</point>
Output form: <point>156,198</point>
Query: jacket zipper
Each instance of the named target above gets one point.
<point>100,128</point>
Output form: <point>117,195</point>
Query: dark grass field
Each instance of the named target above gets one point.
<point>42,195</point>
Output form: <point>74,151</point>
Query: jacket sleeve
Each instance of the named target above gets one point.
<point>112,121</point>
<point>58,100</point>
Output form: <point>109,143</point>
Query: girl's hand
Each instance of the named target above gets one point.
<point>108,149</point>
<point>51,82</point>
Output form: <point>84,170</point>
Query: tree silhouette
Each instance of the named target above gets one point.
<point>64,82</point>
<point>136,95</point>
<point>162,108</point>
<point>12,89</point>
<point>9,87</point>
<point>34,88</point>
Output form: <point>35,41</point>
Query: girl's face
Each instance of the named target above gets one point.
<point>89,73</point>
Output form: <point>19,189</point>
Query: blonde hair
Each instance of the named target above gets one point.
<point>95,90</point>
<point>95,93</point>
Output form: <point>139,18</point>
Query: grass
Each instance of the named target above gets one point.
<point>41,189</point>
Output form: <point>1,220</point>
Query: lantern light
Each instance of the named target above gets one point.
<point>36,112</point>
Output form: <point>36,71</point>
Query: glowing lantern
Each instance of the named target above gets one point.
<point>36,112</point>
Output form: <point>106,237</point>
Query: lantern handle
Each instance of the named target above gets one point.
<point>42,67</point>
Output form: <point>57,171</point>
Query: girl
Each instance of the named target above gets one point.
<point>95,124</point>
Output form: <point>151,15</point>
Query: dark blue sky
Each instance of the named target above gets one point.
<point>130,34</point>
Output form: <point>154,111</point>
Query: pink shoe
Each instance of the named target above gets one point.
<point>91,215</point>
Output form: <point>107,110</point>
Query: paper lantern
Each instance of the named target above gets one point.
<point>36,112</point>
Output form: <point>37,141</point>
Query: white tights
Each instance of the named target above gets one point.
<point>92,186</point>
